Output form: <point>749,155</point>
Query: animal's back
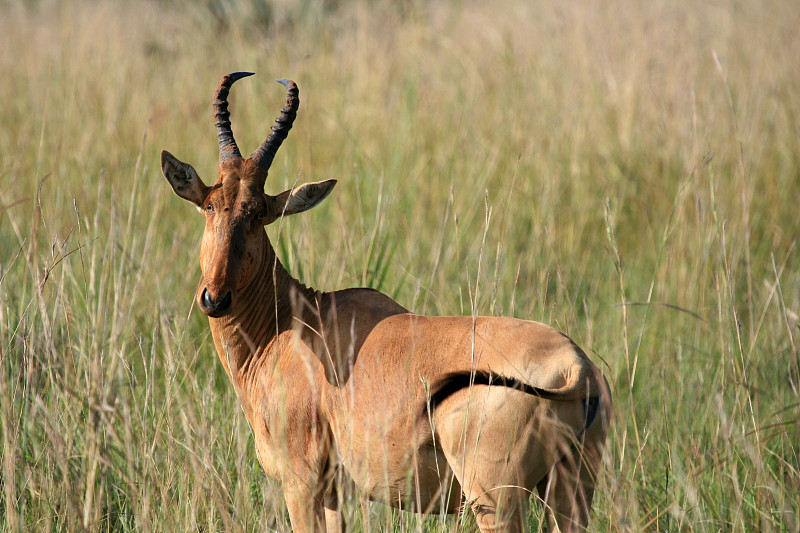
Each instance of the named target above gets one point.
<point>429,348</point>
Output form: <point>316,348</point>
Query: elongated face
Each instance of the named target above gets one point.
<point>236,210</point>
<point>236,207</point>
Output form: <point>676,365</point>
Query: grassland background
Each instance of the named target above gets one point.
<point>628,172</point>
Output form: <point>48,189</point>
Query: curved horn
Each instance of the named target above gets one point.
<point>265,153</point>
<point>227,145</point>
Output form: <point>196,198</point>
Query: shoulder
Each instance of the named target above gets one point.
<point>365,299</point>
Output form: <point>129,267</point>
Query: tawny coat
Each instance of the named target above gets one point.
<point>349,390</point>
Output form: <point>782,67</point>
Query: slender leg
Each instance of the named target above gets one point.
<point>365,513</point>
<point>334,517</point>
<point>569,487</point>
<point>305,518</point>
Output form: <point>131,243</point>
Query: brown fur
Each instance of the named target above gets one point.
<point>415,411</point>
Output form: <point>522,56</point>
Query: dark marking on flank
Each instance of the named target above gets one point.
<point>456,381</point>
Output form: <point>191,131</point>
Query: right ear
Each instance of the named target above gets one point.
<point>184,179</point>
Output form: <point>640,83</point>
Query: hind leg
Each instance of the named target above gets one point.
<point>494,486</point>
<point>500,444</point>
<point>568,488</point>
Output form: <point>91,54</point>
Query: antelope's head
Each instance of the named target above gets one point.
<point>236,207</point>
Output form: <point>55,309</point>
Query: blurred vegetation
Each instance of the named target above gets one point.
<point>628,172</point>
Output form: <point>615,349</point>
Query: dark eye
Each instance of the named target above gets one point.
<point>209,208</point>
<point>260,215</point>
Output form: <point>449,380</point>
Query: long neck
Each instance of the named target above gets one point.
<point>265,308</point>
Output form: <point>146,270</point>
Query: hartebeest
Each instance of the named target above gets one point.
<point>348,388</point>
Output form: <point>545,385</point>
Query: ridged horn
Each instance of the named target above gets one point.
<point>227,145</point>
<point>265,153</point>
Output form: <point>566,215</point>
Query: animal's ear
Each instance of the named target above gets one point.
<point>302,198</point>
<point>184,179</point>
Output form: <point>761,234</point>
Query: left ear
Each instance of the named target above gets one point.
<point>302,198</point>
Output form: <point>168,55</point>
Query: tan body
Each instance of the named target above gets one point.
<point>350,389</point>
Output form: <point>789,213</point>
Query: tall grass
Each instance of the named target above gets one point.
<point>628,172</point>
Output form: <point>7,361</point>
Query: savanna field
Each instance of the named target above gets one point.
<point>627,172</point>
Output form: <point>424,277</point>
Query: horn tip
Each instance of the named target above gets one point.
<point>239,75</point>
<point>285,82</point>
